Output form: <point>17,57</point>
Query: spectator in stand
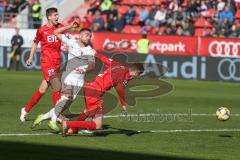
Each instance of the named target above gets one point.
<point>188,27</point>
<point>179,31</point>
<point>98,22</point>
<point>234,32</point>
<point>213,33</point>
<point>110,23</point>
<point>3,4</point>
<point>14,5</point>
<point>159,18</point>
<point>173,6</point>
<point>203,9</point>
<point>215,17</point>
<point>119,23</point>
<point>106,6</point>
<point>170,30</point>
<point>220,5</point>
<point>130,15</point>
<point>152,13</point>
<point>226,14</point>
<point>94,5</point>
<point>143,15</point>
<point>223,33</point>
<point>36,14</point>
<point>231,5</point>
<point>191,10</point>
<point>113,11</point>
<point>165,3</point>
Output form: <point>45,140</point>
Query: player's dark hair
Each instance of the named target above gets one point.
<point>50,11</point>
<point>85,29</point>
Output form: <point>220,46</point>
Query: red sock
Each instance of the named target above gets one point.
<point>90,125</point>
<point>55,97</point>
<point>82,116</point>
<point>35,98</point>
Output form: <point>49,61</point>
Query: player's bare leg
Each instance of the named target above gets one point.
<point>34,100</point>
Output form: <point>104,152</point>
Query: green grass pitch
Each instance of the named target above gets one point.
<point>197,135</point>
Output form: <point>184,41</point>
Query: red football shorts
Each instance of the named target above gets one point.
<point>50,71</point>
<point>93,99</point>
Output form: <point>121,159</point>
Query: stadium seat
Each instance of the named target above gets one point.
<point>210,12</point>
<point>237,4</point>
<point>237,15</point>
<point>122,9</point>
<point>141,2</point>
<point>202,23</point>
<point>131,29</point>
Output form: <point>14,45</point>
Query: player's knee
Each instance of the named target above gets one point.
<point>42,90</point>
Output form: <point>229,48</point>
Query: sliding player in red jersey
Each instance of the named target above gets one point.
<point>116,75</point>
<point>50,60</point>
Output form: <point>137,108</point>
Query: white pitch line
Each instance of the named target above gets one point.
<point>24,134</point>
<point>192,130</point>
<point>164,114</point>
<point>147,131</point>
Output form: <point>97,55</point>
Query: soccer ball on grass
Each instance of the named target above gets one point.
<point>223,114</point>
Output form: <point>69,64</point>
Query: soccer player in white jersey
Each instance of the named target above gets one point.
<point>81,59</point>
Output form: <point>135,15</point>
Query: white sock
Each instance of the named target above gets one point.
<point>48,114</point>
<point>54,116</point>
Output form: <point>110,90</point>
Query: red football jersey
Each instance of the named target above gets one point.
<point>116,75</point>
<point>50,45</point>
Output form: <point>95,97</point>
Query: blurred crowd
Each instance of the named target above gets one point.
<point>171,17</point>
<point>213,18</point>
<point>10,6</point>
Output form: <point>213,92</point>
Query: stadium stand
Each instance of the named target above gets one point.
<point>163,17</point>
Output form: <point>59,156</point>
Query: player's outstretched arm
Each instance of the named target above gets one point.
<point>33,50</point>
<point>121,94</point>
<point>58,32</point>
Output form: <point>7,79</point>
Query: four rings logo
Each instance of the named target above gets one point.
<point>229,69</point>
<point>224,49</point>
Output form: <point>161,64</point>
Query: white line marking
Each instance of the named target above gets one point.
<point>147,131</point>
<point>25,134</point>
<point>193,130</point>
<point>163,114</point>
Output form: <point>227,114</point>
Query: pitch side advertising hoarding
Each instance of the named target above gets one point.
<point>184,57</point>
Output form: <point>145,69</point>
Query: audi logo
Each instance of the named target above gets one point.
<point>229,69</point>
<point>224,49</point>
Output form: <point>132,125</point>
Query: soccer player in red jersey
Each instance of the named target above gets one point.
<point>50,60</point>
<point>116,75</point>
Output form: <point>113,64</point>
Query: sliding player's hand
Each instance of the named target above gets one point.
<point>124,109</point>
<point>29,62</point>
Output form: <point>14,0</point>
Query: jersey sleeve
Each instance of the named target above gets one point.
<point>38,37</point>
<point>68,40</point>
<point>104,59</point>
<point>120,89</point>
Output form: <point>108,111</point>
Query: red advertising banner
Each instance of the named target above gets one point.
<point>119,42</point>
<point>219,47</point>
<point>176,45</point>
